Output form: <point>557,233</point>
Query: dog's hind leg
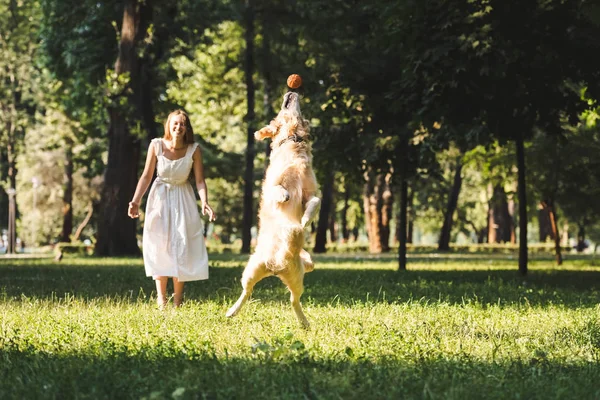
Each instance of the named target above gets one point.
<point>296,287</point>
<point>307,261</point>
<point>254,272</point>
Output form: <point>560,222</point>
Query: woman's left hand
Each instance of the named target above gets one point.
<point>207,209</point>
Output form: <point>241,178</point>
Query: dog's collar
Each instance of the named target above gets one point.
<point>294,138</point>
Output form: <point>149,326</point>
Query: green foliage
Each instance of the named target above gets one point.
<point>210,88</point>
<point>446,329</point>
<point>19,75</point>
<point>41,178</point>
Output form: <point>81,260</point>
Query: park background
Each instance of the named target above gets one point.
<point>456,144</point>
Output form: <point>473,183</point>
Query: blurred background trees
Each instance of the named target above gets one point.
<point>438,123</point>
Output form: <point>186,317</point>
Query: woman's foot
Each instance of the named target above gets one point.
<point>161,303</point>
<point>177,303</point>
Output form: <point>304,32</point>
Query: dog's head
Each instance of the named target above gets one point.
<point>289,121</point>
<point>291,104</point>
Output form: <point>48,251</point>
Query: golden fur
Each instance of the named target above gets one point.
<point>288,204</point>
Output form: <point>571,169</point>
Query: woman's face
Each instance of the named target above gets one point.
<point>177,126</point>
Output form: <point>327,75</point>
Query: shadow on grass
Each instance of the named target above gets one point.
<point>166,372</point>
<point>44,279</point>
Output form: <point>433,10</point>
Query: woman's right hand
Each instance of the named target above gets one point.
<point>134,210</point>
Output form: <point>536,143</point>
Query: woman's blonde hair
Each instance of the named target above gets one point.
<point>189,131</point>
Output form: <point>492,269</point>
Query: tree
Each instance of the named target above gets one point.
<point>250,116</point>
<point>508,64</point>
<point>579,175</point>
<point>116,234</point>
<point>18,78</point>
<point>148,38</point>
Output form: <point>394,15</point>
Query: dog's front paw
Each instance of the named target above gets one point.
<point>280,195</point>
<point>304,221</point>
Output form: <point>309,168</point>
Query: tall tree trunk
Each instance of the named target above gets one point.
<point>267,78</point>
<point>544,223</point>
<point>12,189</point>
<point>372,201</point>
<point>521,188</point>
<point>410,216</point>
<point>555,233</point>
<point>326,203</point>
<point>332,228</point>
<point>11,247</point>
<point>344,217</point>
<point>3,194</point>
<point>491,221</point>
<point>67,194</point>
<point>116,232</point>
<point>402,150</point>
<point>371,228</point>
<point>500,223</point>
<point>249,171</point>
<point>402,221</point>
<point>511,220</point>
<point>581,237</point>
<point>332,225</point>
<point>387,204</point>
<point>444,242</point>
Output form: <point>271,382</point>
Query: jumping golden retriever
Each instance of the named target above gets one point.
<point>289,202</point>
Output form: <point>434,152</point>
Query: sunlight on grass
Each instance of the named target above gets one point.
<point>451,328</point>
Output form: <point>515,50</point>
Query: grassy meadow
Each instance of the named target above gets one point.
<point>456,326</point>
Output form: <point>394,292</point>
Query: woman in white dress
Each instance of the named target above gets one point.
<point>173,240</point>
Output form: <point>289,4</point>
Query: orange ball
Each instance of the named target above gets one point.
<point>294,81</point>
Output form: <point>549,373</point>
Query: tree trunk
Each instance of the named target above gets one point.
<point>332,226</point>
<point>326,202</point>
<point>555,234</point>
<point>68,194</point>
<point>387,203</point>
<point>521,188</point>
<point>11,247</point>
<point>544,223</point>
<point>3,194</point>
<point>444,242</point>
<point>491,221</point>
<point>511,219</point>
<point>377,203</point>
<point>249,171</point>
<point>267,79</point>
<point>370,227</point>
<point>581,238</point>
<point>402,222</point>
<point>116,232</point>
<point>500,223</point>
<point>410,216</point>
<point>12,190</point>
<point>372,207</point>
<point>344,217</point>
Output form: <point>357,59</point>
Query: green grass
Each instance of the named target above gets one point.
<point>453,326</point>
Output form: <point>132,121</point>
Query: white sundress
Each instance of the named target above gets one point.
<point>173,241</point>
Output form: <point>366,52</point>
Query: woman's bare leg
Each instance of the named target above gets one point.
<point>177,292</point>
<point>161,291</point>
